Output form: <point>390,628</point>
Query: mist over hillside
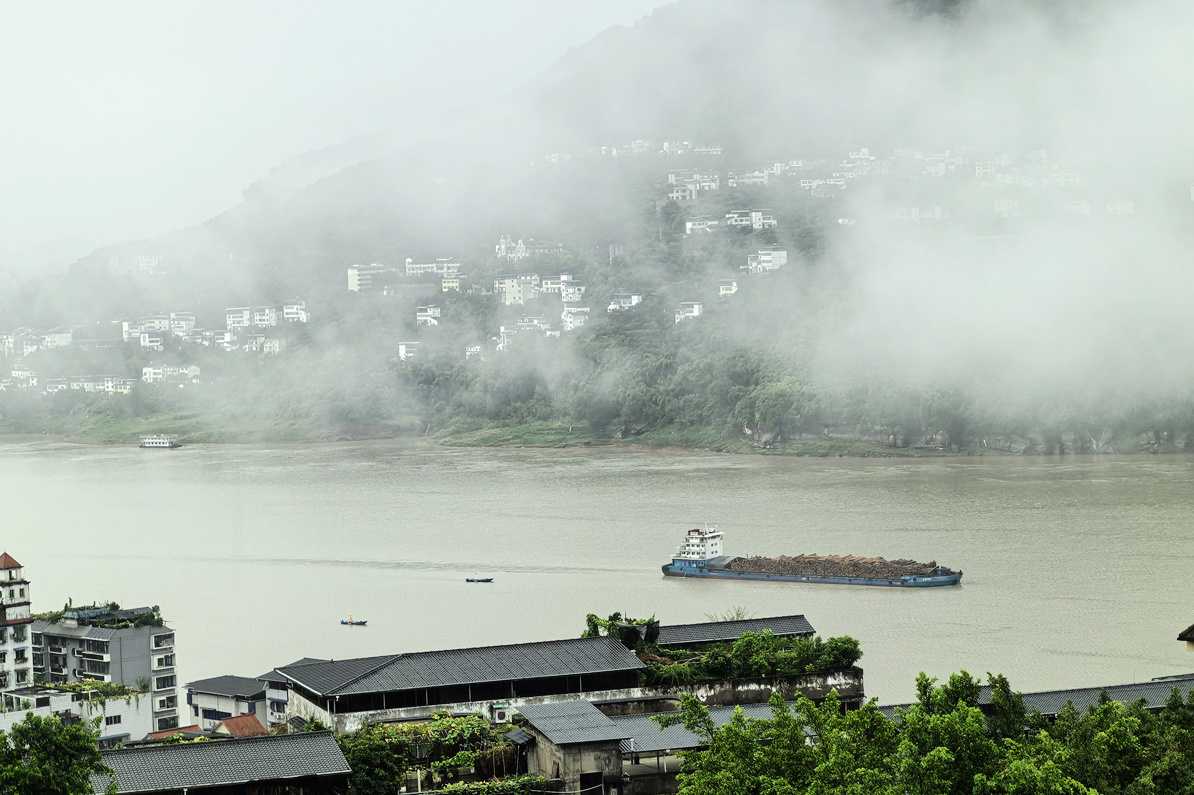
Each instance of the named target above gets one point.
<point>1004,258</point>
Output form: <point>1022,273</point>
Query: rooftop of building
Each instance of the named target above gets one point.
<point>720,631</point>
<point>183,766</point>
<point>246,725</point>
<point>7,561</point>
<point>390,673</point>
<point>228,685</point>
<point>1187,634</point>
<point>571,722</point>
<point>1050,702</point>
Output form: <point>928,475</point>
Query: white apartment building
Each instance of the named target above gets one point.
<point>440,267</point>
<point>238,317</point>
<point>294,311</point>
<point>427,315</point>
<point>514,290</point>
<point>623,300</point>
<point>574,317</point>
<point>689,309</point>
<point>124,718</point>
<point>15,623</point>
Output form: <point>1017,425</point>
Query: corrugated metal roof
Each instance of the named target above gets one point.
<point>643,734</point>
<point>1051,702</point>
<point>465,666</point>
<point>713,631</point>
<point>571,722</point>
<point>228,685</point>
<point>84,631</point>
<point>156,768</point>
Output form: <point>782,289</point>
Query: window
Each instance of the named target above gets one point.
<point>111,720</point>
<point>20,633</point>
<point>215,714</point>
<point>168,723</point>
<point>170,702</point>
<point>196,708</point>
<point>22,593</point>
<point>12,592</point>
<point>164,682</point>
<point>42,701</point>
<point>39,639</point>
<point>20,656</point>
<point>22,676</point>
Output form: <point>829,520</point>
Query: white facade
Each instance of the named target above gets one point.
<point>700,545</point>
<point>689,309</point>
<point>407,350</point>
<point>516,290</point>
<point>440,267</point>
<point>294,311</point>
<point>15,641</point>
<point>265,316</point>
<point>123,718</point>
<point>238,317</point>
<point>575,317</point>
<point>427,315</point>
<point>621,301</point>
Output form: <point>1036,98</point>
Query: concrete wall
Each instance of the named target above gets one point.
<point>568,762</point>
<point>625,701</point>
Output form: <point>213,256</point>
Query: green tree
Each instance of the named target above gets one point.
<point>47,757</point>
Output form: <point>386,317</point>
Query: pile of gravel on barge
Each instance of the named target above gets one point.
<point>833,566</point>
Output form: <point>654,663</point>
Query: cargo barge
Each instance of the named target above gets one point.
<point>700,556</point>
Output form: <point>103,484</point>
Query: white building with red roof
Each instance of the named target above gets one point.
<point>15,651</point>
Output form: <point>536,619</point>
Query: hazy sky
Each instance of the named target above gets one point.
<point>129,119</point>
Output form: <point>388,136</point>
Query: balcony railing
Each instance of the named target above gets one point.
<point>57,650</point>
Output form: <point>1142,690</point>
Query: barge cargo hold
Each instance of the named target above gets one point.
<point>700,556</point>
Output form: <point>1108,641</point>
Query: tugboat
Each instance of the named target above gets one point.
<point>160,441</point>
<point>478,579</point>
<point>700,556</point>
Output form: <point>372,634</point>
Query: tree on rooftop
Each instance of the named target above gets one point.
<point>47,757</point>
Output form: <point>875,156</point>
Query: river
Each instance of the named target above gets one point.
<point>1077,570</point>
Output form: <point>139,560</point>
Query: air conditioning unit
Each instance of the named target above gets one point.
<point>501,712</point>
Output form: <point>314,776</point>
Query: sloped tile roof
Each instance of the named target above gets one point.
<point>465,666</point>
<point>713,631</point>
<point>245,725</point>
<point>643,735</point>
<point>1051,702</point>
<point>194,728</point>
<point>155,768</point>
<point>1187,634</point>
<point>228,685</point>
<point>7,561</point>
<point>570,722</point>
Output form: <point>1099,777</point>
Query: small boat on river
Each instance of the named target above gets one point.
<point>160,441</point>
<point>352,623</point>
<point>478,579</point>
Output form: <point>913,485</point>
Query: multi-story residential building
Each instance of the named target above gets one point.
<point>57,338</point>
<point>516,289</point>
<point>182,324</point>
<point>574,317</point>
<point>755,219</point>
<point>238,317</point>
<point>129,647</point>
<point>449,284</point>
<point>152,340</point>
<point>440,267</point>
<point>766,259</point>
<point>124,717</point>
<point>265,316</point>
<point>727,287</point>
<point>294,311</point>
<point>571,290</point>
<point>742,179</point>
<point>16,645</point>
<point>363,278</point>
<point>701,223</point>
<point>427,315</point>
<point>623,300</point>
<point>689,309</point>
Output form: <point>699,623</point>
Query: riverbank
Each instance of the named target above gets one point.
<point>196,428</point>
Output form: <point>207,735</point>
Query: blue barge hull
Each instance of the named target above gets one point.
<point>908,581</point>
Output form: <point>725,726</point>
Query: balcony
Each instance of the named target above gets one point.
<point>57,650</point>
<point>55,669</point>
<point>93,655</point>
<point>168,712</point>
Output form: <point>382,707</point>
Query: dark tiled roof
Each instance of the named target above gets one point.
<point>465,666</point>
<point>228,685</point>
<point>1050,702</point>
<point>153,768</point>
<point>712,631</point>
<point>570,722</point>
<point>1187,634</point>
<point>643,735</point>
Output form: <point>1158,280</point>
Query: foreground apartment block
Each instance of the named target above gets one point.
<point>121,646</point>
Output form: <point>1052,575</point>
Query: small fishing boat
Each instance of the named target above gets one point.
<point>352,623</point>
<point>478,579</point>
